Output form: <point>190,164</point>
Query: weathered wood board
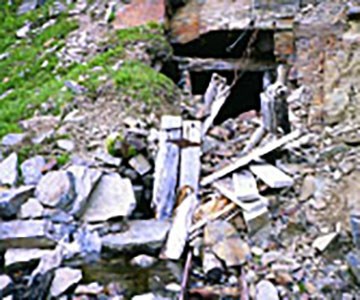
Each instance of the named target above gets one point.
<point>245,160</point>
<point>245,186</point>
<point>166,167</point>
<point>190,163</point>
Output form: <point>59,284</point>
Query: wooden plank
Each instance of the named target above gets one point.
<point>245,186</point>
<point>166,167</point>
<point>226,188</point>
<point>215,108</point>
<point>224,64</point>
<point>190,163</point>
<point>180,228</point>
<point>216,84</point>
<point>272,176</point>
<point>255,154</point>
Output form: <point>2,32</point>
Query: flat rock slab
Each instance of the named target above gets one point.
<point>11,200</point>
<point>26,234</point>
<point>8,170</point>
<point>55,189</point>
<point>146,235</point>
<point>112,197</point>
<point>17,257</point>
<point>31,169</point>
<point>26,6</point>
<point>63,280</point>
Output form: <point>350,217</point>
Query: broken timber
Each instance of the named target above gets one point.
<point>255,154</point>
<point>190,164</point>
<point>223,91</point>
<point>224,64</point>
<point>245,186</point>
<point>166,167</point>
<point>180,228</point>
<point>272,176</point>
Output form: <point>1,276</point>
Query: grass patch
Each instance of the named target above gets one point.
<point>30,71</point>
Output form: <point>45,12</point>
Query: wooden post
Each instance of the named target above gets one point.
<point>190,164</point>
<point>166,167</point>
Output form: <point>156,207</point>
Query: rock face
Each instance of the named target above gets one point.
<point>26,234</point>
<point>55,189</point>
<point>63,280</point>
<point>147,235</point>
<point>113,197</point>
<point>31,169</point>
<point>8,170</point>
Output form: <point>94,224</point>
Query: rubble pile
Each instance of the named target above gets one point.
<point>262,206</point>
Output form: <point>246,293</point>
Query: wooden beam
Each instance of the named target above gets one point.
<point>190,164</point>
<point>195,64</point>
<point>272,176</point>
<point>166,167</point>
<point>245,160</point>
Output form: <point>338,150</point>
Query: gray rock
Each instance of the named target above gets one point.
<point>13,139</point>
<point>26,6</point>
<point>353,261</point>
<point>75,87</point>
<point>93,288</point>
<point>142,235</point>
<point>63,280</point>
<point>108,159</point>
<point>85,181</point>
<point>23,31</point>
<point>19,258</point>
<point>26,234</point>
<point>49,261</point>
<point>31,169</point>
<point>149,296</point>
<point>8,170</point>
<point>11,201</point>
<point>66,145</point>
<point>31,209</point>
<point>143,261</point>
<point>56,189</point>
<point>112,197</point>
<point>5,282</point>
<point>140,164</point>
<point>265,290</point>
<point>85,244</point>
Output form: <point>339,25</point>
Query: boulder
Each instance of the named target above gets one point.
<point>9,170</point>
<point>143,261</point>
<point>63,280</point>
<point>56,189</point>
<point>142,235</point>
<point>31,169</point>
<point>113,197</point>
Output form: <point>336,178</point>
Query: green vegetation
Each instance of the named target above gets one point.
<point>30,74</point>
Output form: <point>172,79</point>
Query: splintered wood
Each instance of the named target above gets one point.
<point>166,167</point>
<point>180,228</point>
<point>190,164</point>
<point>255,154</point>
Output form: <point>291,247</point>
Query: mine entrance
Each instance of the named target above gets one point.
<point>244,96</point>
